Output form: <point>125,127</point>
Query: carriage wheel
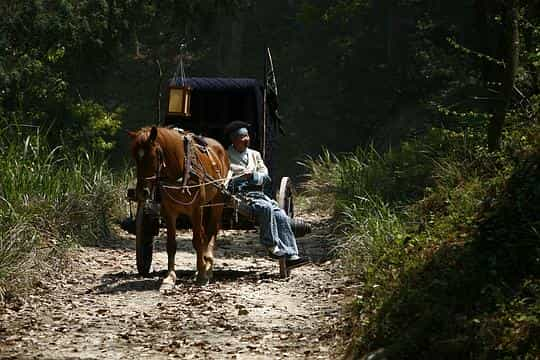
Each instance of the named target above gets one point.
<point>145,230</point>
<point>285,196</point>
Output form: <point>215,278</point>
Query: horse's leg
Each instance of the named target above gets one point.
<point>170,280</point>
<point>198,243</point>
<point>212,228</point>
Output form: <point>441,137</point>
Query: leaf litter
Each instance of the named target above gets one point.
<point>101,308</point>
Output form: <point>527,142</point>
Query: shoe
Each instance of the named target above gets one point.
<point>299,227</point>
<point>274,252</point>
<point>294,262</point>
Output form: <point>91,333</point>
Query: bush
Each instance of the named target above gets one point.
<point>443,238</point>
<point>51,199</point>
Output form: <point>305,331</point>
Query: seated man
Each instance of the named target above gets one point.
<point>248,169</point>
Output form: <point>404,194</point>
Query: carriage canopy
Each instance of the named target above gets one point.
<point>215,102</point>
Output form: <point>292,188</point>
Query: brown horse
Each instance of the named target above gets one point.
<point>185,170</point>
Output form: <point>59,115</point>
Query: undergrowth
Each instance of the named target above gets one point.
<point>50,200</point>
<point>444,238</point>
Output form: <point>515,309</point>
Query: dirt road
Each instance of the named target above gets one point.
<point>101,309</point>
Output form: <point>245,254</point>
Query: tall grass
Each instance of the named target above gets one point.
<point>320,183</point>
<point>374,236</point>
<point>397,175</point>
<point>50,199</point>
<point>441,236</point>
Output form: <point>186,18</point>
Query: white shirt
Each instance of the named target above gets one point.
<point>248,161</point>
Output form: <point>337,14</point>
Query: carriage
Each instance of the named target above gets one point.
<point>205,106</point>
<point>214,103</point>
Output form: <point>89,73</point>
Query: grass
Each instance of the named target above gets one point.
<point>51,199</point>
<point>443,236</point>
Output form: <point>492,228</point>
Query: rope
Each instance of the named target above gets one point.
<point>181,202</point>
<point>212,205</point>
<point>198,185</point>
<point>188,145</point>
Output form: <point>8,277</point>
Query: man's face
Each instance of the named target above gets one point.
<point>241,143</point>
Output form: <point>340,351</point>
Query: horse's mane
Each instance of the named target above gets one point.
<point>170,142</point>
<point>166,137</point>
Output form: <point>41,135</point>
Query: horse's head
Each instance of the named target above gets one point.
<point>148,156</point>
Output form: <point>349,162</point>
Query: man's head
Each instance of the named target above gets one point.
<point>239,135</point>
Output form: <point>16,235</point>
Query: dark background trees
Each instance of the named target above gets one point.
<point>451,87</point>
<point>349,72</point>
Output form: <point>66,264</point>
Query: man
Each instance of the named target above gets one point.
<point>248,170</point>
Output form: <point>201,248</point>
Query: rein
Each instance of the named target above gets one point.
<point>192,168</point>
<point>187,159</point>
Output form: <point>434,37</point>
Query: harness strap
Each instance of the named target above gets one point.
<point>156,194</point>
<point>187,159</point>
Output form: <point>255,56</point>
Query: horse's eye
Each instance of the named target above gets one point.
<point>140,153</point>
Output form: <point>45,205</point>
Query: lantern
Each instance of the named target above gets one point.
<point>179,100</point>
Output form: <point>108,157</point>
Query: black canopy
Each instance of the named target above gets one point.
<point>219,84</point>
<point>215,102</point>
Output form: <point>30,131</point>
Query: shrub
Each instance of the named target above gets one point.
<point>50,199</point>
<point>442,237</point>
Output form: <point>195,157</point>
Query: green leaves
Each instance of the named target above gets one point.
<point>54,55</point>
<point>91,127</point>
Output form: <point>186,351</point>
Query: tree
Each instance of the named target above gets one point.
<point>511,48</point>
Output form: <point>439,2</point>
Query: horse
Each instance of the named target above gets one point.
<point>186,171</point>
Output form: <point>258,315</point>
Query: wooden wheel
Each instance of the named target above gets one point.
<point>145,228</point>
<point>285,196</point>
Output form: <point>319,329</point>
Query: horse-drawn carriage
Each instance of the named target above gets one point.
<point>216,102</point>
<point>204,106</point>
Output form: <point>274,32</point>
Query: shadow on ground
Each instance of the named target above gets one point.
<point>126,282</point>
<point>237,244</point>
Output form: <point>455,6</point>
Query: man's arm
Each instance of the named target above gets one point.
<point>237,169</point>
<point>261,171</point>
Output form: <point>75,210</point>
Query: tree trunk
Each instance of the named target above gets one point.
<point>136,43</point>
<point>532,11</point>
<point>511,58</point>
<point>390,33</point>
<point>481,22</point>
<point>221,40</point>
<point>230,42</point>
<point>234,61</point>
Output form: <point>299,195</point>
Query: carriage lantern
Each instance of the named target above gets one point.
<point>180,95</point>
<point>179,100</point>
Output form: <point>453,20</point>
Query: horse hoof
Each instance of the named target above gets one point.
<point>166,285</point>
<point>165,288</point>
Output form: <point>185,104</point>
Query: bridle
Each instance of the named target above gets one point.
<point>159,184</point>
<point>153,182</point>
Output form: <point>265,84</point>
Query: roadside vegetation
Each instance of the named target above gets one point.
<point>56,189</point>
<point>443,237</point>
<point>51,198</point>
<point>442,226</point>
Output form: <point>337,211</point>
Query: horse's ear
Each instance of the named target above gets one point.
<point>132,134</point>
<point>153,134</point>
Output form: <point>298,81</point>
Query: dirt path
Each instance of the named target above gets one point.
<point>101,309</point>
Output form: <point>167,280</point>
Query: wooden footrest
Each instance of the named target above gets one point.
<point>283,271</point>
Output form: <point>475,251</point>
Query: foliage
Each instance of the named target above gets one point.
<point>96,125</point>
<point>451,272</point>
<point>38,71</point>
<point>51,198</point>
<point>321,178</point>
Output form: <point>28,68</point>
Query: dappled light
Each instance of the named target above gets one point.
<point>383,200</point>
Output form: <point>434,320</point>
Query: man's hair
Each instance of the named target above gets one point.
<point>234,126</point>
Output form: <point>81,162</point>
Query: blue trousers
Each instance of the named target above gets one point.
<point>274,225</point>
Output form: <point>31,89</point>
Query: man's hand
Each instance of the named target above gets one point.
<point>247,175</point>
